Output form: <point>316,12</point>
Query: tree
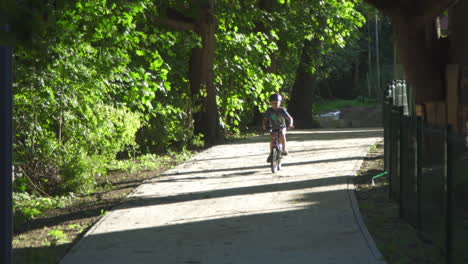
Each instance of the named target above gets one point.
<point>198,16</point>
<point>305,84</point>
<point>325,28</point>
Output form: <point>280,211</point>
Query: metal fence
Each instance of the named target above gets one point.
<point>428,168</point>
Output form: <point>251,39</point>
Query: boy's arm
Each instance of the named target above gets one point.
<point>265,119</point>
<point>291,121</point>
<point>289,118</point>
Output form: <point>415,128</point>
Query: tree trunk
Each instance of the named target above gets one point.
<point>302,100</point>
<point>268,6</point>
<point>205,107</point>
<point>356,73</point>
<point>304,86</point>
<point>201,79</point>
<point>195,88</point>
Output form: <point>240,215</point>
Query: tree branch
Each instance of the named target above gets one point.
<point>176,24</point>
<point>387,7</point>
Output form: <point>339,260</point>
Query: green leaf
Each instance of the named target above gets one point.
<point>167,85</point>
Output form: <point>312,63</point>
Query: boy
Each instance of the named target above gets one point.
<point>276,117</point>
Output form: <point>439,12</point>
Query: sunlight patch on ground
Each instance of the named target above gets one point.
<point>201,209</point>
<point>241,213</point>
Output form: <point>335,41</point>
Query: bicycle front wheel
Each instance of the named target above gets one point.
<point>274,160</point>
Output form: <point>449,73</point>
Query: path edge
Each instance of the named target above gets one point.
<point>357,212</point>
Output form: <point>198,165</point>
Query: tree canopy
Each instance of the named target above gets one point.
<point>96,80</point>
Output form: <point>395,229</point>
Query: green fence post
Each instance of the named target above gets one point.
<point>386,123</point>
<point>390,151</point>
<point>401,111</point>
<point>390,142</point>
<point>419,160</point>
<point>448,194</point>
<point>395,153</point>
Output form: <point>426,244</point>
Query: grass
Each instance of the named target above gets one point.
<point>147,162</point>
<point>329,105</point>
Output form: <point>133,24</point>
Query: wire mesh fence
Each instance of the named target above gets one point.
<point>458,198</point>
<point>409,180</point>
<point>394,167</point>
<point>432,182</point>
<point>428,172</point>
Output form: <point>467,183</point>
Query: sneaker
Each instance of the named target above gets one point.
<point>284,152</point>
<point>269,159</point>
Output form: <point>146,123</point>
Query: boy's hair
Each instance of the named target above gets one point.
<point>276,97</point>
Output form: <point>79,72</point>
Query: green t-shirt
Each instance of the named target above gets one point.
<point>276,118</point>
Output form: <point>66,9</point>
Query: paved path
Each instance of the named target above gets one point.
<point>224,206</point>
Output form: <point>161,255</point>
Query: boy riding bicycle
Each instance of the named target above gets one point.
<point>277,118</point>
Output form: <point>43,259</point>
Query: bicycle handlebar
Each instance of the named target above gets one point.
<point>270,130</point>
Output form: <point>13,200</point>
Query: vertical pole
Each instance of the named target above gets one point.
<point>385,127</point>
<point>419,161</point>
<point>6,219</point>
<point>369,56</point>
<point>396,71</point>
<point>391,145</point>
<point>401,155</point>
<point>448,194</point>
<point>377,51</point>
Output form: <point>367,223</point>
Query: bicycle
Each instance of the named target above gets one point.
<point>276,151</point>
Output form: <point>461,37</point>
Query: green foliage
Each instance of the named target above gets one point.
<point>259,51</point>
<point>74,110</point>
<point>197,141</point>
<point>79,227</point>
<point>31,206</point>
<point>57,237</point>
<point>147,162</point>
<point>360,57</point>
<point>104,80</point>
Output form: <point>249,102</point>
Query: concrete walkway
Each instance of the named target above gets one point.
<point>225,206</point>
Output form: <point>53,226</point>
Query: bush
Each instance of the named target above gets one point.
<point>72,162</point>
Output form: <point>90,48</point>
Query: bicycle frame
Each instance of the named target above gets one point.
<point>275,151</point>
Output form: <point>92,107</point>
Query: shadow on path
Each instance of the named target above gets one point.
<point>274,220</point>
<point>285,163</point>
<point>187,197</point>
<point>220,193</point>
<point>279,235</point>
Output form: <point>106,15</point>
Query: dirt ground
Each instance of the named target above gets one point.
<point>397,241</point>
<point>33,241</point>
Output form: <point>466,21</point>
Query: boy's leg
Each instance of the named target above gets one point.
<point>283,141</point>
<point>272,142</point>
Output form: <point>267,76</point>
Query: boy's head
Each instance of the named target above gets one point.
<point>275,100</point>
